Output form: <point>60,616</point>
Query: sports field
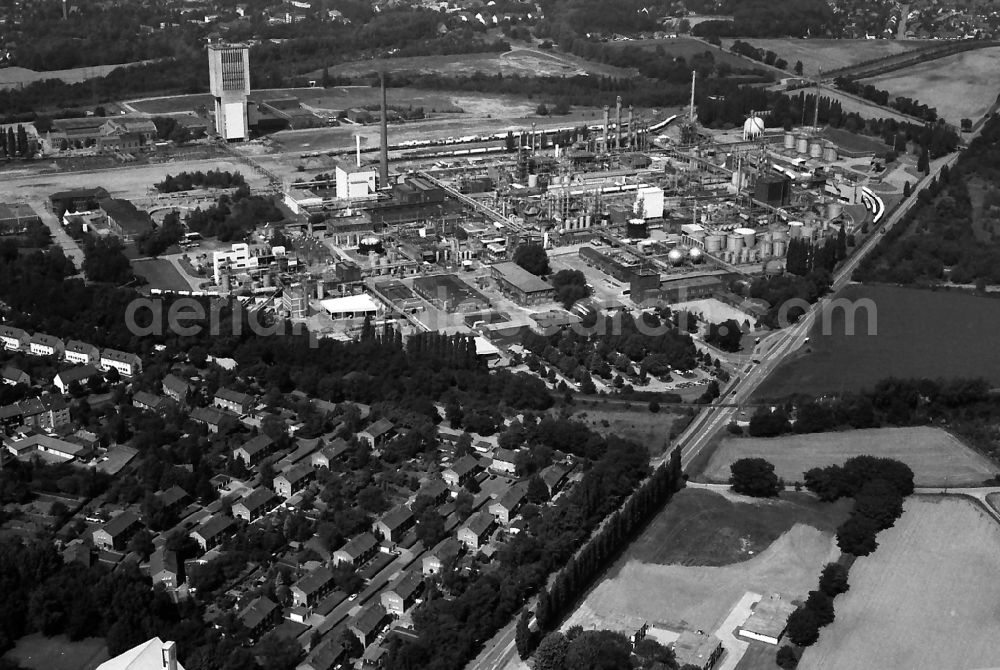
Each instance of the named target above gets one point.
<point>699,557</point>
<point>160,273</point>
<point>934,455</point>
<point>926,599</point>
<point>917,333</point>
<point>959,86</point>
<point>38,652</point>
<point>817,54</point>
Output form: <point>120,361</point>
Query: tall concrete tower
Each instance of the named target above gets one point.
<point>229,82</point>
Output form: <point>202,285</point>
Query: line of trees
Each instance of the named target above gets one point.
<point>902,104</point>
<point>804,623</point>
<point>187,181</point>
<point>765,56</point>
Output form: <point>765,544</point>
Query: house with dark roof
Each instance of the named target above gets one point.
<point>126,220</point>
<point>504,461</point>
<point>126,363</point>
<point>330,453</point>
<point>115,534</point>
<point>443,553</point>
<point>175,388</point>
<point>475,532</point>
<point>13,376</point>
<point>555,477</point>
<point>164,568</point>
<point>402,593</point>
<point>367,623</point>
<point>47,412</point>
<point>255,505</point>
<point>357,551</point>
<point>174,499</point>
<point>233,401</point>
<point>254,450</point>
<point>328,655</point>
<point>151,402</point>
<point>210,417</point>
<point>259,616</point>
<point>78,373</point>
<point>14,339</point>
<point>394,524</point>
<point>212,532</point>
<point>45,345</point>
<point>293,480</point>
<point>81,353</point>
<point>378,433</point>
<point>461,471</point>
<point>309,590</point>
<point>506,507</point>
<point>436,490</point>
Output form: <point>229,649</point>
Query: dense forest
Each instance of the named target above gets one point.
<point>938,240</point>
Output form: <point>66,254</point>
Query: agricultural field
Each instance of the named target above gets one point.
<point>526,62</point>
<point>961,86</point>
<point>698,558</point>
<point>38,652</point>
<point>936,457</point>
<point>925,599</point>
<point>686,47</point>
<point>12,77</point>
<point>820,54</point>
<point>635,423</point>
<point>160,273</point>
<point>914,330</point>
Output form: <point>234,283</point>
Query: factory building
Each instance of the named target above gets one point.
<point>520,285</point>
<point>229,82</point>
<point>449,293</point>
<point>355,181</point>
<point>618,266</point>
<point>351,307</point>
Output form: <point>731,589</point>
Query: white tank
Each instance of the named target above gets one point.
<point>789,140</point>
<point>808,232</point>
<point>532,180</point>
<point>676,256</point>
<point>735,242</point>
<point>779,249</point>
<point>766,247</point>
<point>815,149</point>
<point>795,229</point>
<point>753,127</point>
<point>830,152</point>
<point>749,236</point>
<point>714,243</point>
<point>802,144</point>
<point>695,255</point>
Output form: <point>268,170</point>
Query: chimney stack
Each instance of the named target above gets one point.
<point>607,122</point>
<point>357,148</point>
<point>65,10</point>
<point>384,150</point>
<point>168,656</point>
<point>630,127</point>
<point>618,124</point>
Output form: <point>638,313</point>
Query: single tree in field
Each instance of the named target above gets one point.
<point>798,67</point>
<point>754,477</point>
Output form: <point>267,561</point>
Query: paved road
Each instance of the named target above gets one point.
<point>59,235</point>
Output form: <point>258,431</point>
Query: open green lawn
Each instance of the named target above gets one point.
<point>38,652</point>
<point>161,274</point>
<point>635,423</point>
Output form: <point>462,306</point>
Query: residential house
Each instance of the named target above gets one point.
<point>212,532</point>
<point>58,450</point>
<point>127,364</point>
<point>402,593</point>
<point>176,388</point>
<point>436,490</point>
<point>505,461</point>
<point>378,433</point>
<point>367,623</point>
<point>153,654</point>
<point>164,568</point>
<point>45,345</point>
<point>697,650</point>
<point>444,553</point>
<point>78,373</point>
<point>14,339</point>
<point>259,616</point>
<point>462,471</point>
<point>255,450</point>
<point>330,453</point>
<point>555,477</point>
<point>304,448</point>
<point>115,534</point>
<point>312,588</point>
<point>151,402</point>
<point>293,480</point>
<point>475,532</point>
<point>210,417</point>
<point>255,505</point>
<point>394,524</point>
<point>506,507</point>
<point>328,655</point>
<point>174,499</point>
<point>357,551</point>
<point>11,416</point>
<point>13,376</point>
<point>47,412</point>
<point>233,401</point>
<point>81,353</point>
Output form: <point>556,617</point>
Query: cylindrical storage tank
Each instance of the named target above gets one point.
<point>766,247</point>
<point>815,149</point>
<point>830,153</point>
<point>789,141</point>
<point>695,255</point>
<point>320,290</point>
<point>749,236</point>
<point>735,242</point>
<point>834,209</point>
<point>636,228</point>
<point>227,283</point>
<point>795,229</point>
<point>588,221</point>
<point>714,243</point>
<point>675,257</point>
<point>779,249</point>
<point>532,181</point>
<point>267,281</point>
<point>370,245</point>
<point>802,144</point>
<point>808,232</point>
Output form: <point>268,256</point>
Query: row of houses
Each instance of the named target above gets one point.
<point>72,351</point>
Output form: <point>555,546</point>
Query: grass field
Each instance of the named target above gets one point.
<point>160,273</point>
<point>935,456</point>
<point>686,47</point>
<point>11,77</point>
<point>926,599</point>
<point>637,424</point>
<point>38,652</point>
<point>817,54</point>
<point>518,61</point>
<point>693,563</point>
<point>959,86</point>
<point>919,333</point>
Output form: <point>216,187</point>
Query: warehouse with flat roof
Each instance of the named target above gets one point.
<point>520,285</point>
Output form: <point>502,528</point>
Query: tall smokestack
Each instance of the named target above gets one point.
<point>694,74</point>
<point>607,120</point>
<point>65,10</point>
<point>631,127</point>
<point>357,149</point>
<point>618,123</point>
<point>384,148</point>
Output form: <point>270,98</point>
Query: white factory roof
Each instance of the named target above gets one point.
<point>485,348</point>
<point>350,304</point>
<point>146,656</point>
<point>689,228</point>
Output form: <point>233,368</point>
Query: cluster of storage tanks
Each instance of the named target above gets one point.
<point>744,245</point>
<point>811,146</point>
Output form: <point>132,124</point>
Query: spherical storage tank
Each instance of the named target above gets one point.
<point>774,268</point>
<point>676,256</point>
<point>815,150</point>
<point>789,141</point>
<point>753,127</point>
<point>695,255</point>
<point>749,236</point>
<point>802,144</point>
<point>714,243</point>
<point>735,242</point>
